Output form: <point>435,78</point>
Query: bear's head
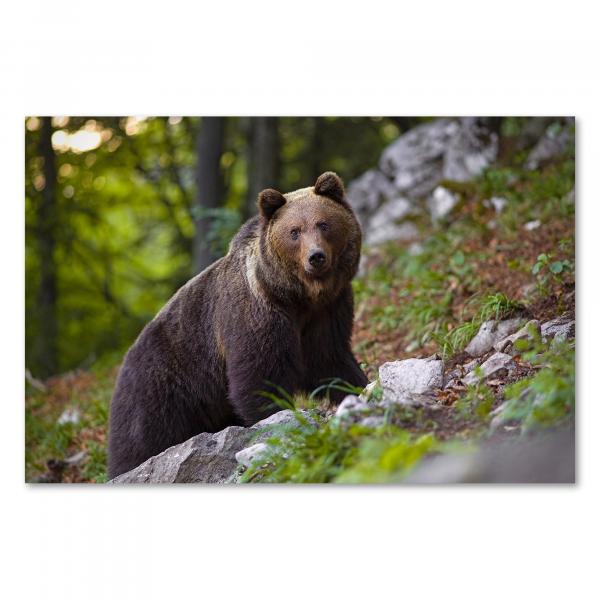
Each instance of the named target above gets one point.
<point>312,233</point>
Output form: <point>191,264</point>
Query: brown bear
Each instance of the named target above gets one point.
<point>276,310</point>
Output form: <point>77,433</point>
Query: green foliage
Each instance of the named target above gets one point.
<point>546,269</point>
<point>330,452</point>
<point>547,398</point>
<point>224,223</point>
<point>476,402</point>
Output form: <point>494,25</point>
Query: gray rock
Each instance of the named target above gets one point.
<point>555,142</point>
<point>525,333</point>
<point>441,202</point>
<point>415,161</point>
<point>559,329</point>
<point>387,223</point>
<point>368,192</point>
<point>207,457</point>
<point>471,150</point>
<point>411,168</point>
<point>489,333</point>
<point>248,455</point>
<point>406,381</point>
<point>457,149</point>
<point>544,458</point>
<point>349,405</point>
<point>496,365</point>
<point>372,421</point>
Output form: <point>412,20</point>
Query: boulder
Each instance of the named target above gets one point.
<point>415,160</point>
<point>495,366</point>
<point>207,457</point>
<point>409,381</point>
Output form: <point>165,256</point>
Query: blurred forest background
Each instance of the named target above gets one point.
<point>120,212</point>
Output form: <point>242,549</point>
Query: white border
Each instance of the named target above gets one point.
<point>303,58</point>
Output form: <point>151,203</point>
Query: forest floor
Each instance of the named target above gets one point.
<point>412,300</point>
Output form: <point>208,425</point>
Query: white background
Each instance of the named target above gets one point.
<point>338,58</point>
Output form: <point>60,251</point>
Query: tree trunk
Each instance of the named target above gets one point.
<point>209,187</point>
<point>263,163</point>
<point>47,358</point>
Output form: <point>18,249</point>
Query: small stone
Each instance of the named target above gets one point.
<point>531,225</point>
<point>69,415</point>
<point>248,455</point>
<point>350,404</point>
<point>471,365</point>
<point>441,203</point>
<point>525,333</point>
<point>496,366</point>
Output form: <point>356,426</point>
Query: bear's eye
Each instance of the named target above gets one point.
<point>323,226</point>
<point>295,233</point>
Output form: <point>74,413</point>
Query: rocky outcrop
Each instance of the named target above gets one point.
<point>209,457</point>
<point>412,167</point>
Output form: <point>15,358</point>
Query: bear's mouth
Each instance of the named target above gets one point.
<point>316,273</point>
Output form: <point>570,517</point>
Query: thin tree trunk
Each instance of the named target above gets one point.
<point>209,187</point>
<point>263,159</point>
<point>47,295</point>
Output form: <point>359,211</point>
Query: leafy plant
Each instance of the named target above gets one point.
<point>546,269</point>
<point>547,398</point>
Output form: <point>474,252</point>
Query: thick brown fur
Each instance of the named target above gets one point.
<point>277,308</point>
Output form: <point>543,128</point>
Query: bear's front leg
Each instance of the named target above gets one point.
<point>260,359</point>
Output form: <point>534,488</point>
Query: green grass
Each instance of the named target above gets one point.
<point>331,452</point>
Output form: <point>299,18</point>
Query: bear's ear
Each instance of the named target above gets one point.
<point>330,184</point>
<point>269,201</point>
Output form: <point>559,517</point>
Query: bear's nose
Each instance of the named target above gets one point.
<point>317,258</point>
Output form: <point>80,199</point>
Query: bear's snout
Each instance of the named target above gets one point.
<point>317,258</point>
